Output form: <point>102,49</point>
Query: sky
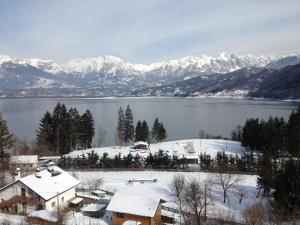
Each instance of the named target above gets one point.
<point>146,31</point>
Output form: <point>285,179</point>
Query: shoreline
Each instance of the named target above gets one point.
<point>155,97</point>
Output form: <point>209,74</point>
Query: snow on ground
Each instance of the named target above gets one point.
<point>77,218</point>
<point>11,219</point>
<point>45,215</point>
<point>180,148</point>
<point>118,180</point>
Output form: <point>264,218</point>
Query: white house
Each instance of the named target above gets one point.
<point>48,189</point>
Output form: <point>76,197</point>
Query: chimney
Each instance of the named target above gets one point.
<point>38,172</point>
<point>17,174</point>
<point>50,166</point>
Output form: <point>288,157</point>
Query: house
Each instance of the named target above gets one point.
<point>48,189</point>
<point>135,205</point>
<point>24,162</point>
<point>141,145</point>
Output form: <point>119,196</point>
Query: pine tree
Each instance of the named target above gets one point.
<point>61,127</point>
<point>120,126</point>
<point>293,133</point>
<point>155,129</point>
<point>162,133</point>
<point>287,187</point>
<point>138,131</point>
<point>6,138</point>
<point>145,131</point>
<point>87,130</point>
<point>45,134</point>
<point>74,127</point>
<point>128,125</point>
<point>265,174</point>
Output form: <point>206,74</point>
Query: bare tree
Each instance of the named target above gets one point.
<point>225,181</point>
<point>192,198</point>
<point>101,136</point>
<point>94,183</point>
<point>177,188</point>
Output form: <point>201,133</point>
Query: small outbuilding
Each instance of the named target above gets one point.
<point>135,205</point>
<point>94,210</point>
<point>141,145</point>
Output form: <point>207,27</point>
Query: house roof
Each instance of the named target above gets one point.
<point>48,186</point>
<point>24,159</point>
<point>93,207</point>
<point>134,201</point>
<point>140,143</point>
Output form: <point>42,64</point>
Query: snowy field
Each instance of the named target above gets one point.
<point>180,148</point>
<point>118,181</point>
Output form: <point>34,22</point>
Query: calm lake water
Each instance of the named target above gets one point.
<point>182,117</point>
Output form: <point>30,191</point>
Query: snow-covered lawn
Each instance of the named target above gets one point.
<point>114,181</point>
<point>11,219</point>
<point>187,147</point>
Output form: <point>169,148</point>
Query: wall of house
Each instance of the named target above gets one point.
<point>119,221</point>
<point>15,190</point>
<point>62,200</point>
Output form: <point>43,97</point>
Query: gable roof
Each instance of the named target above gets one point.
<point>134,201</point>
<point>48,186</point>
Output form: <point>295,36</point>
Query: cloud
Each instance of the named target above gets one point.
<point>144,31</point>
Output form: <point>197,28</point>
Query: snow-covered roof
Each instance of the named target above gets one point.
<point>48,186</point>
<point>93,207</point>
<point>76,200</point>
<point>140,143</point>
<point>134,201</point>
<point>131,222</point>
<point>24,159</point>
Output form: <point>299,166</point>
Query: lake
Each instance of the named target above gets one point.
<point>182,117</point>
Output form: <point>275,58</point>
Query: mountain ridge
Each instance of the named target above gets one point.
<point>112,76</point>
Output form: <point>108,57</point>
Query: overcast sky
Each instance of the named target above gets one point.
<point>144,31</point>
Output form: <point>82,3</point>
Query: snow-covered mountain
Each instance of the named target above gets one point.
<point>110,75</point>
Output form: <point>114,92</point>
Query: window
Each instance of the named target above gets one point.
<point>53,204</point>
<point>62,199</point>
<point>120,215</point>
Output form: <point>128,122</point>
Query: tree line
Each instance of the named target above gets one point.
<point>65,130</point>
<point>275,143</point>
<point>127,132</point>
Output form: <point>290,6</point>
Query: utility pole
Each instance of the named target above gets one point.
<point>57,206</point>
<point>205,202</point>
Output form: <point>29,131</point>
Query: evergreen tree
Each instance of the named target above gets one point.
<point>6,138</point>
<point>128,125</point>
<point>74,127</point>
<point>162,133</point>
<point>45,134</point>
<point>155,129</point>
<point>145,131</point>
<point>287,187</point>
<point>293,133</point>
<point>61,127</point>
<point>120,126</point>
<point>87,130</point>
<point>265,174</point>
<point>138,131</point>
